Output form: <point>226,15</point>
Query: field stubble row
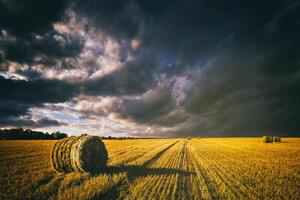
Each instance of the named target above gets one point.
<point>213,168</point>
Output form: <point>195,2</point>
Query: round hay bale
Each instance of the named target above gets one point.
<point>267,139</point>
<point>277,139</point>
<point>65,154</point>
<point>59,155</point>
<point>67,158</point>
<point>79,154</point>
<point>88,154</point>
<point>55,156</point>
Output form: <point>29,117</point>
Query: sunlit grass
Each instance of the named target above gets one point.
<point>216,168</point>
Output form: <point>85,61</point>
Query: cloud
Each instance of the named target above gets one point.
<point>32,16</point>
<point>153,68</point>
<point>40,49</point>
<point>123,19</point>
<point>187,29</point>
<point>226,99</point>
<point>17,96</point>
<point>44,122</point>
<point>149,106</point>
<point>35,92</point>
<point>12,109</point>
<point>134,77</point>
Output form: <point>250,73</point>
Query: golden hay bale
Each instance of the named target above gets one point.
<point>65,154</point>
<point>60,155</point>
<point>267,139</point>
<point>79,154</point>
<point>55,155</point>
<point>88,154</point>
<point>277,139</point>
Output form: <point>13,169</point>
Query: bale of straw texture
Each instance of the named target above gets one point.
<point>88,154</point>
<point>267,139</point>
<point>79,154</point>
<point>277,139</point>
<point>56,154</point>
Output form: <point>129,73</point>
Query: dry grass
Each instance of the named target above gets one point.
<point>79,154</point>
<point>158,169</point>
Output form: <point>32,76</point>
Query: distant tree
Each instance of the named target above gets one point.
<point>21,134</point>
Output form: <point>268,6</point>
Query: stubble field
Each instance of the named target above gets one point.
<point>215,168</point>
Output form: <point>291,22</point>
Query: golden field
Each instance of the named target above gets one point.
<point>214,168</point>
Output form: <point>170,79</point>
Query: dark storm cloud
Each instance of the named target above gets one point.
<point>17,96</point>
<point>243,57</point>
<point>49,48</point>
<point>150,106</point>
<point>120,18</point>
<point>26,33</point>
<point>250,90</point>
<point>36,91</point>
<point>23,17</point>
<point>230,100</point>
<point>44,122</point>
<point>12,108</point>
<point>20,95</point>
<point>188,29</point>
<point>135,77</point>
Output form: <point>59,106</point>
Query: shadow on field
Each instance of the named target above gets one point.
<point>53,184</point>
<point>134,171</point>
<point>49,186</point>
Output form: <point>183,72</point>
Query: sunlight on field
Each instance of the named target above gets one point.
<point>214,168</point>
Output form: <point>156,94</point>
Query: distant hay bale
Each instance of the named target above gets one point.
<point>79,154</point>
<point>277,139</point>
<point>267,139</point>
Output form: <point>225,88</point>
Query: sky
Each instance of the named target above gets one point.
<point>143,68</point>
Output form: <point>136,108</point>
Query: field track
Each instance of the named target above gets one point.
<point>215,168</point>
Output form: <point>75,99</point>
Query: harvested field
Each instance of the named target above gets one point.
<point>215,168</point>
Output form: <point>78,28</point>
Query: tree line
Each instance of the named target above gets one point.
<point>27,134</point>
